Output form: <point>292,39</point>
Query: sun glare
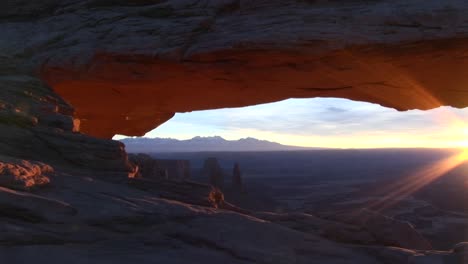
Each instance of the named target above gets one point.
<point>463,156</point>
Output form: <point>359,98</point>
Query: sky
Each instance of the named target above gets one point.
<point>325,122</point>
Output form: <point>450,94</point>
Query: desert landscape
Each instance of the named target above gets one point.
<point>73,74</point>
<point>311,182</point>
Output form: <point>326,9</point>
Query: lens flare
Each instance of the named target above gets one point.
<point>404,188</point>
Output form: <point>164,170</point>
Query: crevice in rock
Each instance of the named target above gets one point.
<point>200,242</point>
<point>23,214</point>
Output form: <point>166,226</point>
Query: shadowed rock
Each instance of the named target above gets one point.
<point>147,166</point>
<point>237,178</point>
<point>128,66</point>
<point>213,172</point>
<point>158,169</point>
<point>384,229</point>
<point>33,208</point>
<point>36,124</point>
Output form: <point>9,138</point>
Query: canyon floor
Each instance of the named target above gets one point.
<point>293,216</point>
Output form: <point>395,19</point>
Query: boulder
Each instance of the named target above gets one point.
<point>22,174</point>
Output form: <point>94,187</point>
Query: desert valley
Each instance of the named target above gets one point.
<point>371,178</point>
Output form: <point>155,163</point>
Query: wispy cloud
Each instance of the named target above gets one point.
<point>326,122</point>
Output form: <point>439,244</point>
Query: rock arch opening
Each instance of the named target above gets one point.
<point>316,123</point>
<point>75,73</point>
<point>408,173</point>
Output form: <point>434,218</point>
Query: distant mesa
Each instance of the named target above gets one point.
<point>199,144</point>
<point>160,169</point>
<point>237,178</point>
<point>213,171</point>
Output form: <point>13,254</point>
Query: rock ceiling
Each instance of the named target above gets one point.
<point>128,66</point>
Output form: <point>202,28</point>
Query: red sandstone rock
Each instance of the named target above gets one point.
<point>22,174</point>
<point>127,68</point>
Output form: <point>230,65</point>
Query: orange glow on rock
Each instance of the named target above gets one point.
<point>130,95</point>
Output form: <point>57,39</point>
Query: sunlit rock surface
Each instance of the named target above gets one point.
<point>22,174</point>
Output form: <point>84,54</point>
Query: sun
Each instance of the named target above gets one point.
<point>463,145</point>
<point>463,156</point>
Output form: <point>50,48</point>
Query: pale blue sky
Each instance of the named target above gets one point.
<point>325,122</point>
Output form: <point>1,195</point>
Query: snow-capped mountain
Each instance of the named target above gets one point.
<point>196,144</point>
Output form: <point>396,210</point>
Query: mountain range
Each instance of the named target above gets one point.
<point>199,144</point>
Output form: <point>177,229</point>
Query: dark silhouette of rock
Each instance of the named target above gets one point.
<point>213,171</point>
<point>175,169</point>
<point>189,192</point>
<point>147,166</point>
<point>237,178</point>
<point>158,169</point>
<point>37,125</point>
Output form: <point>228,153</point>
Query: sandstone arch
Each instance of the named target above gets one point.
<point>128,66</point>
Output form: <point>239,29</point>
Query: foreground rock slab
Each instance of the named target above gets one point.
<point>83,218</point>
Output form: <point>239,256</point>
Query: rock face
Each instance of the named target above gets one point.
<point>175,169</point>
<point>213,171</point>
<point>73,69</point>
<point>237,178</point>
<point>146,167</point>
<point>88,220</point>
<point>383,229</point>
<point>158,169</point>
<point>37,125</point>
<point>22,174</point>
<point>127,67</point>
<point>374,230</point>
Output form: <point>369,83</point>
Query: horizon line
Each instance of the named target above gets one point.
<point>304,147</point>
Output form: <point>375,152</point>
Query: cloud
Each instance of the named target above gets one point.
<point>334,109</point>
<point>318,118</point>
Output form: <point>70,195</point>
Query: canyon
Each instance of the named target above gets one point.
<point>75,73</point>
